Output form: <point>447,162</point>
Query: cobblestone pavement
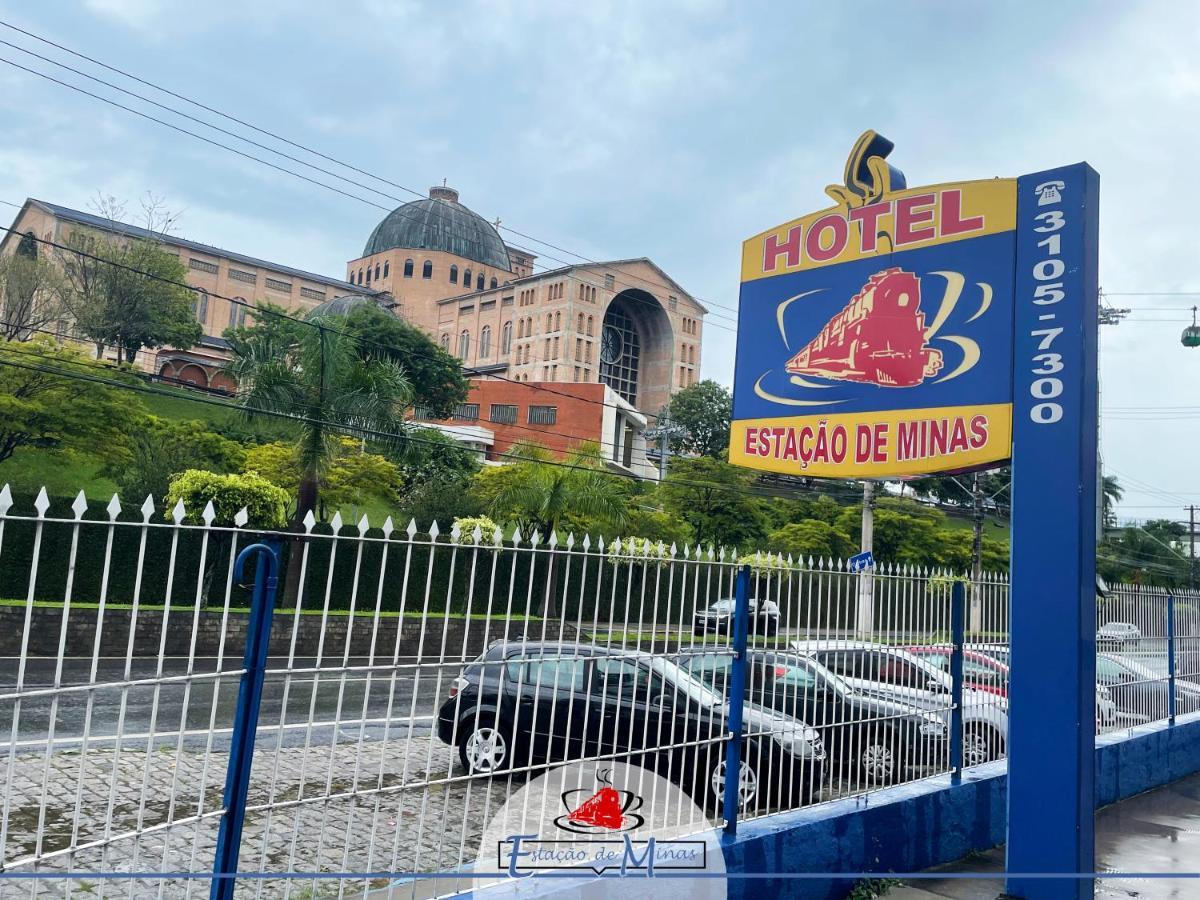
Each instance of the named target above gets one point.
<point>390,830</point>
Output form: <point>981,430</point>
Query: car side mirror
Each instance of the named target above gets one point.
<point>664,700</point>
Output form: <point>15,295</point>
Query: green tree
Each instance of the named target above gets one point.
<point>811,538</point>
<point>127,293</point>
<point>30,295</point>
<point>39,407</point>
<point>265,503</point>
<point>434,458</point>
<point>351,478</point>
<point>314,374</point>
<point>714,498</point>
<point>541,493</point>
<point>1111,494</point>
<point>437,379</point>
<point>703,411</point>
<point>161,448</point>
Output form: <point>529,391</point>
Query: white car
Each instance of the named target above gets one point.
<point>1118,633</point>
<point>892,673</point>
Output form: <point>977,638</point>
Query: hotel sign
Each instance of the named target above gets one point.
<point>875,337</point>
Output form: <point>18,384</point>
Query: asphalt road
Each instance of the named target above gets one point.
<point>329,699</point>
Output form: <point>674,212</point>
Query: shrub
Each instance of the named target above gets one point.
<point>264,502</point>
<point>467,526</point>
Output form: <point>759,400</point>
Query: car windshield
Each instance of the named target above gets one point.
<point>723,606</point>
<point>687,684</point>
<point>1140,672</point>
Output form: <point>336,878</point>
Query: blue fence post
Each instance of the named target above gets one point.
<point>1170,658</point>
<point>245,721</point>
<point>737,694</point>
<point>958,627</point>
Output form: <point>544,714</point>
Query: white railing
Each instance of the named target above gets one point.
<point>414,678</point>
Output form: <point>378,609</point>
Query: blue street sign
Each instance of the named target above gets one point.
<point>1051,742</point>
<point>862,561</point>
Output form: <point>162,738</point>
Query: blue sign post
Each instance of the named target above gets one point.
<point>860,562</point>
<point>1052,711</point>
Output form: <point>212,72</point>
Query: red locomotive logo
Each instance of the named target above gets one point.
<point>878,338</point>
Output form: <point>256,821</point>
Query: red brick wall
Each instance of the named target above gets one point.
<point>579,418</point>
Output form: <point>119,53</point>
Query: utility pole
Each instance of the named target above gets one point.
<point>1192,546</point>
<point>664,431</point>
<point>976,621</point>
<point>865,620</point>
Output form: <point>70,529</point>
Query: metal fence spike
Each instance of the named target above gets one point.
<point>209,513</point>
<point>309,521</point>
<point>336,522</point>
<point>411,529</point>
<point>79,507</point>
<point>570,540</point>
<point>455,532</point>
<point>42,503</point>
<point>5,499</point>
<point>587,542</point>
<point>363,525</point>
<point>113,508</point>
<point>477,533</point>
<point>498,536</point>
<point>241,517</point>
<point>388,527</point>
<point>147,508</point>
<point>553,542</point>
<point>434,531</point>
<point>516,535</point>
<point>178,511</point>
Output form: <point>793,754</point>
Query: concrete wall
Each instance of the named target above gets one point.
<point>912,827</point>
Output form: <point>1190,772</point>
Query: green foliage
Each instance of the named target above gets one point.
<point>763,562</point>
<point>431,457</point>
<point>43,410</point>
<point>703,410</point>
<point>437,379</point>
<point>468,524</point>
<point>161,448</point>
<point>712,498</point>
<point>117,307</point>
<point>350,478</point>
<point>265,503</point>
<point>30,294</point>
<point>316,373</point>
<point>638,551</point>
<point>1146,554</point>
<point>538,494</point>
<point>658,526</point>
<point>812,538</point>
<point>1111,494</point>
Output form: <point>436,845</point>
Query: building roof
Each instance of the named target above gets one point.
<point>440,223</point>
<point>100,222</point>
<point>340,305</point>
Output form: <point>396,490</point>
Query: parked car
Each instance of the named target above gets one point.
<point>718,618</point>
<point>1118,634</point>
<point>987,673</point>
<point>892,673</point>
<point>524,705</point>
<point>1140,693</point>
<point>879,737</point>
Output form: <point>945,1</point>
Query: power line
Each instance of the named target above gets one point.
<point>418,194</point>
<point>268,311</point>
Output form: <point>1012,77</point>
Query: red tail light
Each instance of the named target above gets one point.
<point>780,671</point>
<point>457,685</point>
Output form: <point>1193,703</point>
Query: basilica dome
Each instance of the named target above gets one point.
<point>440,223</point>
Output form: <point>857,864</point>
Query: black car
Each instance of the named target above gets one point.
<point>718,618</point>
<point>877,736</point>
<point>525,705</point>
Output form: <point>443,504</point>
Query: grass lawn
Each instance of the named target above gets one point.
<point>61,474</point>
<point>998,529</point>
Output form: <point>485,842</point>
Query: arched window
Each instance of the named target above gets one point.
<point>589,326</point>
<point>479,282</point>
<point>360,276</point>
<point>408,268</point>
<point>386,267</point>
<point>495,283</point>
<point>579,327</point>
<point>454,274</point>
<point>446,342</point>
<point>200,306</point>
<point>427,269</point>
<point>368,274</point>
<point>506,339</point>
<point>485,341</point>
<point>376,271</point>
<point>464,345</point>
<point>467,279</point>
<point>557,321</point>
<point>549,321</point>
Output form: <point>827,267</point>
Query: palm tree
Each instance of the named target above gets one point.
<point>541,492</point>
<point>1111,493</point>
<point>314,374</point>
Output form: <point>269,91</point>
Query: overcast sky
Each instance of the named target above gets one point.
<point>671,130</point>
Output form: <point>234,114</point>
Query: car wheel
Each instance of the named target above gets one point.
<point>981,744</point>
<point>484,750</point>
<point>748,786</point>
<point>878,763</point>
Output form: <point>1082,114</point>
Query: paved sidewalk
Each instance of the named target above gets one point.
<point>1158,831</point>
